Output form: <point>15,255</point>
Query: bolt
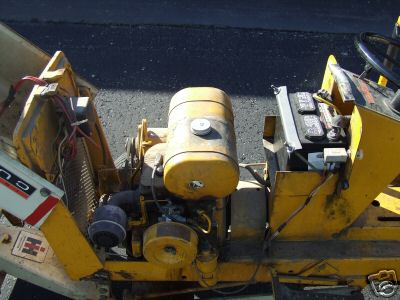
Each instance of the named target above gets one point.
<point>170,250</point>
<point>333,134</point>
<point>196,184</point>
<point>276,89</point>
<point>360,154</point>
<point>45,192</point>
<point>345,184</point>
<point>160,171</point>
<point>289,148</point>
<point>6,238</point>
<point>324,94</point>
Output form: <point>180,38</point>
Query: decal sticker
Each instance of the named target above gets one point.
<point>16,184</point>
<point>40,212</point>
<point>31,246</point>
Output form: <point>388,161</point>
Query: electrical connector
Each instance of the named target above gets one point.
<point>335,155</point>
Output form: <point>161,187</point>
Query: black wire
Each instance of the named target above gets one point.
<point>231,292</point>
<point>297,210</point>
<point>153,191</point>
<point>250,281</point>
<point>255,175</point>
<point>303,159</point>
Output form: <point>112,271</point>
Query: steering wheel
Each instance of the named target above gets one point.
<point>370,53</point>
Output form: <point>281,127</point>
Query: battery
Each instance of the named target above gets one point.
<point>301,129</point>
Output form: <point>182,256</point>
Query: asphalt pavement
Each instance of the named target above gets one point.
<point>338,16</point>
<point>139,68</point>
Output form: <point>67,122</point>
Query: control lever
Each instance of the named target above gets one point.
<point>343,83</point>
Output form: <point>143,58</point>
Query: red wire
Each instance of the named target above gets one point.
<point>34,79</point>
<point>16,88</point>
<point>82,133</point>
<point>75,128</point>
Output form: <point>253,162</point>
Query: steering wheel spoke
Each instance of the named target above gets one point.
<point>373,55</point>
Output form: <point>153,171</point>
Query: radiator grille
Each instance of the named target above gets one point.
<point>79,186</point>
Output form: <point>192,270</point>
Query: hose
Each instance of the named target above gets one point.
<point>303,159</point>
<point>255,175</point>
<point>153,190</point>
<point>206,218</point>
<point>126,198</point>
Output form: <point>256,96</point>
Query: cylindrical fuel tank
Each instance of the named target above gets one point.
<point>201,160</point>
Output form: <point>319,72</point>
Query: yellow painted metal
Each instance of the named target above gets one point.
<point>368,172</point>
<point>146,271</point>
<point>390,199</point>
<point>36,131</point>
<point>136,245</point>
<point>329,84</point>
<point>170,244</point>
<point>220,218</point>
<point>347,215</point>
<point>374,162</point>
<point>33,137</point>
<point>142,143</point>
<point>376,223</point>
<point>206,267</point>
<point>197,102</point>
<point>143,212</point>
<point>210,159</point>
<point>141,271</point>
<point>70,246</point>
<point>367,233</point>
<point>291,191</point>
<point>328,81</point>
<point>354,271</point>
<point>148,137</point>
<point>382,79</point>
<point>269,126</point>
<point>322,100</point>
<point>355,131</point>
<point>323,218</point>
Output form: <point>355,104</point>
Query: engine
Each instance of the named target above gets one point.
<point>173,212</point>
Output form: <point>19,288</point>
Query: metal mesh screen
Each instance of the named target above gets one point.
<point>79,186</point>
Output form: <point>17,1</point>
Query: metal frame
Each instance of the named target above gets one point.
<point>320,246</point>
<point>49,274</point>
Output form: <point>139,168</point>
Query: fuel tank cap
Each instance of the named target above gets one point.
<point>200,127</point>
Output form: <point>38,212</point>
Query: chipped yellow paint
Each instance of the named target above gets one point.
<point>69,244</point>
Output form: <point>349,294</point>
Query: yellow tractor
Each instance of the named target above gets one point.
<point>323,212</point>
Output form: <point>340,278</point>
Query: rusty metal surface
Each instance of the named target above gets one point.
<point>248,211</point>
<point>48,274</point>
